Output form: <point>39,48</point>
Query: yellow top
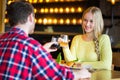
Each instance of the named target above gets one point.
<point>84,51</point>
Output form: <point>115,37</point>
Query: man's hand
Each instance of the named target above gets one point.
<point>48,45</point>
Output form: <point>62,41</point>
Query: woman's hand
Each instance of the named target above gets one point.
<point>63,43</point>
<point>48,45</point>
<point>77,65</point>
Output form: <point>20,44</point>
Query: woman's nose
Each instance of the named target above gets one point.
<point>87,23</point>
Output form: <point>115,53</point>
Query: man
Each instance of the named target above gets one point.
<point>22,57</point>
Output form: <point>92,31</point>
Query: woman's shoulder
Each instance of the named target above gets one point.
<point>78,36</point>
<point>104,37</point>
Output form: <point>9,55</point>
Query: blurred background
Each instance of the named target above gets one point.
<point>55,17</point>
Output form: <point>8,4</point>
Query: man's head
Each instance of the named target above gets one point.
<point>19,13</point>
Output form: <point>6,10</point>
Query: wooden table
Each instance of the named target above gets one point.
<point>105,75</point>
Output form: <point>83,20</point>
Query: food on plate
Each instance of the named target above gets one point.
<point>70,64</point>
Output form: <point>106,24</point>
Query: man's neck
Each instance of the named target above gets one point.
<point>23,27</point>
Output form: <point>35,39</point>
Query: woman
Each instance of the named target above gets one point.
<point>92,48</point>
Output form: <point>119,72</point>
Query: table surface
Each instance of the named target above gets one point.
<point>105,75</point>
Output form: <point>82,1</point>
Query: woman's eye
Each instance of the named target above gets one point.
<point>91,21</point>
<point>85,20</point>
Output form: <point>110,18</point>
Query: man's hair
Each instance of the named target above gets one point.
<point>18,12</point>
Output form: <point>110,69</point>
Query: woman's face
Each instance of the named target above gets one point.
<point>87,23</point>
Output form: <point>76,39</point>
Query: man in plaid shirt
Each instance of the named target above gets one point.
<point>22,57</point>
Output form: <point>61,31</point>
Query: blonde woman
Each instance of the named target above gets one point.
<point>92,48</point>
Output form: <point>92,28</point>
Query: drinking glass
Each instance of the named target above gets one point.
<point>56,45</point>
<point>54,39</point>
<point>64,40</point>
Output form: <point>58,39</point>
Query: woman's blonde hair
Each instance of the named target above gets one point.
<point>98,26</point>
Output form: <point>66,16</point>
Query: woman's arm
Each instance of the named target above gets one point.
<point>70,53</point>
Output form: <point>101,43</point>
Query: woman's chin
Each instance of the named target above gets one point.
<point>87,31</point>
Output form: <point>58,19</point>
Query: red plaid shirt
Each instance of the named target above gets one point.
<point>23,58</point>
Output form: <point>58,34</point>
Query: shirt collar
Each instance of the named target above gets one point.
<point>17,30</point>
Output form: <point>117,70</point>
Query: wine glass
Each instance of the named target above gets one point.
<point>56,45</point>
